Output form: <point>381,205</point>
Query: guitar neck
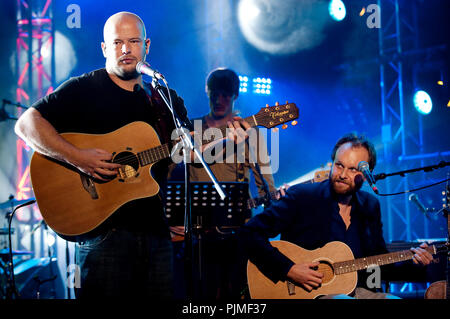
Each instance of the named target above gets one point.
<point>158,153</point>
<point>255,202</point>
<point>344,267</point>
<point>268,117</point>
<point>153,155</point>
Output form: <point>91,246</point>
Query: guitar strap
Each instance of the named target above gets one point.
<point>161,119</point>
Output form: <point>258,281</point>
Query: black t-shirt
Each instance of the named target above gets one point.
<point>92,103</point>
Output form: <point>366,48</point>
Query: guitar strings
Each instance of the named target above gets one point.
<point>159,150</point>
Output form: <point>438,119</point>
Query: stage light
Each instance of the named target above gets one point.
<point>423,102</point>
<point>337,10</point>
<point>249,9</point>
<point>441,83</point>
<point>243,85</point>
<point>283,27</point>
<point>262,85</point>
<point>51,240</point>
<point>362,12</point>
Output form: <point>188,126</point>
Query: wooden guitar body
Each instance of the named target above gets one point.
<point>263,288</point>
<point>70,202</point>
<point>437,290</point>
<point>336,263</point>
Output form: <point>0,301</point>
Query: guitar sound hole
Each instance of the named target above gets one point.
<point>327,270</point>
<point>129,162</point>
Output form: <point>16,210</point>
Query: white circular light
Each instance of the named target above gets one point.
<point>422,102</point>
<point>337,10</point>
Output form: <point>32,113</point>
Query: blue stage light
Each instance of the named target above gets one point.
<point>243,83</point>
<point>337,10</point>
<point>423,102</point>
<point>262,85</point>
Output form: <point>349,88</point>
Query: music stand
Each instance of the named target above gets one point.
<point>210,214</point>
<point>209,211</point>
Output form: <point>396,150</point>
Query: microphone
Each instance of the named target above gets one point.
<point>144,68</point>
<point>363,167</point>
<point>415,199</point>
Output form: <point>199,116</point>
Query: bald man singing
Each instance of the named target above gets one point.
<point>130,254</point>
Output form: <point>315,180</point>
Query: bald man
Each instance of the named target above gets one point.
<point>130,254</point>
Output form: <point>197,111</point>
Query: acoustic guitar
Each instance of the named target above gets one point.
<point>73,203</point>
<point>441,289</point>
<point>336,263</point>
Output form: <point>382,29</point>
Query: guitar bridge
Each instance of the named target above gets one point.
<point>89,186</point>
<point>290,288</point>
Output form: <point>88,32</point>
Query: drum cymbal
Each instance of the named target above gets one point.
<point>5,252</point>
<point>14,202</point>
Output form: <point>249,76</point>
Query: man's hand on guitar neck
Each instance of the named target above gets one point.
<point>282,191</point>
<point>237,130</point>
<point>95,163</point>
<point>421,256</point>
<point>305,275</point>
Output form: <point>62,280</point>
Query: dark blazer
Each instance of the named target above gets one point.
<point>304,217</point>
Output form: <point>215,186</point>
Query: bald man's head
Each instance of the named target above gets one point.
<point>124,44</point>
<point>120,17</point>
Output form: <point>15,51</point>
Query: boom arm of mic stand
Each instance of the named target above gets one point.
<point>402,173</point>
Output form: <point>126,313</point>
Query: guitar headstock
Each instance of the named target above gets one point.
<point>320,176</point>
<point>271,116</point>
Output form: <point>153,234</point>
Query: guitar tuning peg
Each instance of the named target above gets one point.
<point>276,103</point>
<point>275,129</point>
<point>294,123</point>
<point>284,126</point>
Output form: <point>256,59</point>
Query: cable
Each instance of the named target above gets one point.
<point>416,189</point>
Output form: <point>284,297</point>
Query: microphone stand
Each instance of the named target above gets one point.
<point>12,289</point>
<point>188,146</point>
<point>4,115</point>
<point>402,173</point>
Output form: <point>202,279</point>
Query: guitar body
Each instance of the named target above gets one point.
<point>437,290</point>
<point>67,198</point>
<point>263,288</point>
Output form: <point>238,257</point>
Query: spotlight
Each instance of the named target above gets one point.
<point>51,240</point>
<point>262,85</point>
<point>282,27</point>
<point>243,83</point>
<point>422,102</point>
<point>337,11</point>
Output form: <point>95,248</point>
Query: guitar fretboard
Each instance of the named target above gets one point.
<point>255,202</point>
<point>153,155</point>
<point>268,117</point>
<point>344,267</point>
<point>160,152</point>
